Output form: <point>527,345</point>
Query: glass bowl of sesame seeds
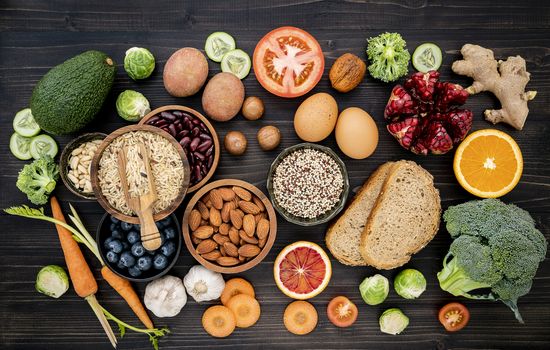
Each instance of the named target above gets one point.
<point>308,184</point>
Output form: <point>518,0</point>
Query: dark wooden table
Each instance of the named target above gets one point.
<point>37,35</point>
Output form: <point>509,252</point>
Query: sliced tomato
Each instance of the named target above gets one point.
<point>342,312</point>
<point>288,62</point>
<point>454,316</point>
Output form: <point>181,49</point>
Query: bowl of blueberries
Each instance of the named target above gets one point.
<point>121,249</point>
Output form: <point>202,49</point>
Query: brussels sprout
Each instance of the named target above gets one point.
<point>52,281</point>
<point>132,105</point>
<point>139,63</point>
<point>393,321</point>
<point>375,289</point>
<point>409,283</point>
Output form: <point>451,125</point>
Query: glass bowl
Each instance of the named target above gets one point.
<point>324,217</point>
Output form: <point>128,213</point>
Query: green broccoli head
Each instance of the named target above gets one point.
<point>476,259</point>
<point>389,57</point>
<point>38,179</point>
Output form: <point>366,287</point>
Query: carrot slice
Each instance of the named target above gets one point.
<point>236,286</point>
<point>300,317</point>
<point>246,309</point>
<point>218,321</point>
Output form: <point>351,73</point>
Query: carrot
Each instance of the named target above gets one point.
<point>125,289</point>
<point>83,280</point>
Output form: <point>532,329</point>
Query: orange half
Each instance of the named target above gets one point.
<point>488,163</point>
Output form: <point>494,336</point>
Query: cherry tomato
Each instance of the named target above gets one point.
<point>288,62</point>
<point>454,316</point>
<point>342,312</point>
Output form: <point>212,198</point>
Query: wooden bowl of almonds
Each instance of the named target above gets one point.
<point>229,226</point>
<point>75,163</point>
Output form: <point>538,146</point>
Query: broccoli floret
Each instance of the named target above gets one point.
<point>389,57</point>
<point>38,179</point>
<point>496,246</point>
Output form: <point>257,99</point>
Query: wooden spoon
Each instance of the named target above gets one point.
<point>142,205</point>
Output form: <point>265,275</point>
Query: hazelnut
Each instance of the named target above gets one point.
<point>269,137</point>
<point>253,108</point>
<point>235,143</point>
<point>347,72</point>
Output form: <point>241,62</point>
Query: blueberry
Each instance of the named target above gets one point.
<point>125,246</point>
<point>112,257</point>
<point>113,227</point>
<point>116,234</point>
<point>168,248</point>
<point>115,245</point>
<point>137,249</point>
<point>137,227</point>
<point>126,226</point>
<point>107,241</point>
<point>134,271</point>
<point>166,221</point>
<point>169,233</point>
<point>127,259</point>
<point>159,225</point>
<point>160,261</point>
<point>114,220</point>
<point>120,265</point>
<point>144,263</point>
<point>133,237</point>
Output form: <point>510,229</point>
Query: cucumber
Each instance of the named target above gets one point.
<point>427,57</point>
<point>20,146</point>
<point>236,62</point>
<point>24,123</point>
<point>42,145</point>
<point>218,44</point>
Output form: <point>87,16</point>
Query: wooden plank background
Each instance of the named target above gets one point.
<point>37,35</point>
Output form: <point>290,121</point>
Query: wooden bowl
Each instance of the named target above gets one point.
<point>210,127</point>
<point>95,169</point>
<point>64,161</point>
<point>248,264</point>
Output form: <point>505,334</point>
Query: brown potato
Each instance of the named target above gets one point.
<point>223,97</point>
<point>185,72</point>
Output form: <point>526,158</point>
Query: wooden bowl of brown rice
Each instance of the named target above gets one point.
<point>169,167</point>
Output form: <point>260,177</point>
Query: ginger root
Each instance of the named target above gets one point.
<point>506,79</point>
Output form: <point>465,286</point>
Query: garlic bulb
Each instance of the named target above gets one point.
<point>203,284</point>
<point>165,297</point>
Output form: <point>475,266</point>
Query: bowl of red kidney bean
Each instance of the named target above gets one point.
<point>195,134</point>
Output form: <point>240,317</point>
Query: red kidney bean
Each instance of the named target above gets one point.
<point>172,130</point>
<point>210,161</point>
<point>168,116</point>
<point>153,119</point>
<point>161,123</point>
<point>209,151</point>
<point>184,142</point>
<point>197,171</point>
<point>182,134</point>
<point>196,121</point>
<point>195,131</point>
<point>205,137</point>
<point>177,113</point>
<point>194,144</point>
<point>204,146</point>
<point>199,156</point>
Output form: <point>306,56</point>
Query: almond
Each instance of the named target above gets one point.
<point>261,242</point>
<point>249,207</point>
<point>205,198</point>
<point>220,239</point>
<point>216,199</point>
<point>205,222</point>
<point>206,246</point>
<point>242,193</point>
<point>259,203</point>
<point>262,229</point>
<point>215,217</point>
<point>236,218</point>
<point>205,213</point>
<point>213,255</point>
<point>194,219</point>
<point>227,261</point>
<point>222,251</point>
<point>226,210</point>
<point>249,224</point>
<point>231,249</point>
<point>249,250</point>
<point>224,229</point>
<point>242,258</point>
<point>203,232</point>
<point>247,238</point>
<point>234,235</point>
<point>195,239</point>
<point>226,193</point>
<point>208,204</point>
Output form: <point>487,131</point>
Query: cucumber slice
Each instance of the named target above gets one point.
<point>218,44</point>
<point>20,146</point>
<point>42,145</point>
<point>427,57</point>
<point>236,62</point>
<point>24,123</point>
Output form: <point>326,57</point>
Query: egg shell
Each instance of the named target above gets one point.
<point>316,117</point>
<point>356,133</point>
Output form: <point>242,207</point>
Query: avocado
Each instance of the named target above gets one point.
<point>71,94</point>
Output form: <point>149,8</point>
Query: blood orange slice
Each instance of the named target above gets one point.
<point>302,270</point>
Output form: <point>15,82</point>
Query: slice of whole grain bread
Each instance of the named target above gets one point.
<point>404,218</point>
<point>344,235</point>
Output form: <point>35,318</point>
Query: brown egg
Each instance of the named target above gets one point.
<point>316,117</point>
<point>356,133</point>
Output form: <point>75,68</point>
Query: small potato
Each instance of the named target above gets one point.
<point>223,97</point>
<point>185,72</point>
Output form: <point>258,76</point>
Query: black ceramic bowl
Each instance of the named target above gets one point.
<point>103,232</point>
